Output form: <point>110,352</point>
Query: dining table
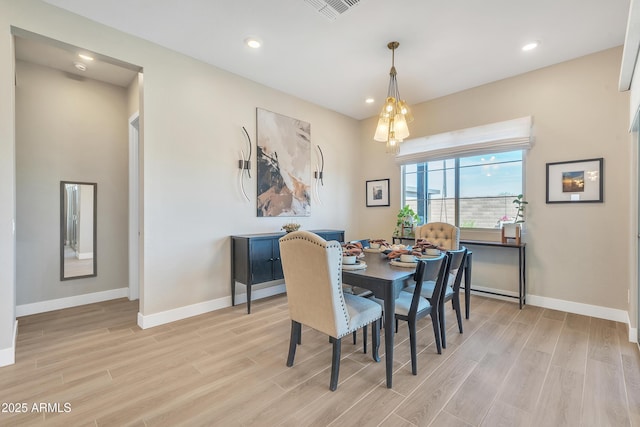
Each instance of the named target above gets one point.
<point>385,281</point>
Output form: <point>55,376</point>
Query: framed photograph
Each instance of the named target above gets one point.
<point>378,192</point>
<point>578,181</point>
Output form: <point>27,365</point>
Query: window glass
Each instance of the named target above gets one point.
<point>441,193</point>
<point>411,168</point>
<point>470,192</point>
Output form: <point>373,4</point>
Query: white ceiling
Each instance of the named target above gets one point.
<point>445,45</point>
<point>60,56</point>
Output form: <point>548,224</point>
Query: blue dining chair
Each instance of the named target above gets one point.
<point>412,306</point>
<point>451,290</point>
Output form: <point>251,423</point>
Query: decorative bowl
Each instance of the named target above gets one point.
<point>407,258</point>
<point>349,259</point>
<point>291,227</point>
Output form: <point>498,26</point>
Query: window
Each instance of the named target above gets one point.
<point>469,192</point>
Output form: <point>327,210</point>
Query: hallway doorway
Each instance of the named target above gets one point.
<point>72,114</point>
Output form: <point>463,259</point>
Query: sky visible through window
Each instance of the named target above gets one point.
<point>480,176</point>
<point>487,185</point>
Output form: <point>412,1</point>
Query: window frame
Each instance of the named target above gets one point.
<point>403,190</point>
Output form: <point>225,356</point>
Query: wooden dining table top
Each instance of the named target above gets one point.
<point>379,266</point>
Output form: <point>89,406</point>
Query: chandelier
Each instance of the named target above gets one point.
<point>392,124</point>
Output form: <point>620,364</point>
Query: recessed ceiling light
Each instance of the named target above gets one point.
<point>253,42</point>
<point>531,45</point>
<point>80,66</point>
<point>369,100</point>
<point>85,57</point>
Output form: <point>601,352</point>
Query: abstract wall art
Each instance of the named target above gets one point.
<point>284,165</point>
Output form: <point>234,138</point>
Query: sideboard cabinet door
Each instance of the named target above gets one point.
<point>261,256</point>
<point>255,258</point>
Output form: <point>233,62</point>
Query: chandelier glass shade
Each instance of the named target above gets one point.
<point>395,114</point>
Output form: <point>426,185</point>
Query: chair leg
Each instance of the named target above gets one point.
<point>364,338</point>
<point>293,341</point>
<point>436,329</point>
<point>443,327</point>
<point>413,346</point>
<point>375,339</point>
<point>456,307</point>
<point>335,364</point>
<point>355,336</point>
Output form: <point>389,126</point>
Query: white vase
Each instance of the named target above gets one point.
<point>511,230</point>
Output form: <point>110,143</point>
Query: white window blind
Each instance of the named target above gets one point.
<point>492,138</point>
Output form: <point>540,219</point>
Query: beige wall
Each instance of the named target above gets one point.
<point>133,96</point>
<point>68,129</point>
<point>193,114</point>
<point>192,121</point>
<point>575,253</point>
<point>7,194</point>
<point>634,112</point>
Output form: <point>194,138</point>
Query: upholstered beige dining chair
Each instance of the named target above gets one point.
<point>313,277</point>
<point>445,235</point>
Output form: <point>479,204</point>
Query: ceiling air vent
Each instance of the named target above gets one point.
<point>331,9</point>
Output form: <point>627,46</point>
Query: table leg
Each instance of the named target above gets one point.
<point>233,292</point>
<point>389,331</point>
<point>523,274</point>
<point>520,277</point>
<point>467,283</point>
<point>233,278</point>
<point>248,299</point>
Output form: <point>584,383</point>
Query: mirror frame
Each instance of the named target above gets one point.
<point>63,220</point>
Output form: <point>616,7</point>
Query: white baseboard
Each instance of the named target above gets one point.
<point>569,307</point>
<point>157,319</point>
<point>586,310</point>
<point>76,300</point>
<point>262,293</point>
<point>580,308</point>
<point>633,332</point>
<point>84,255</point>
<point>8,355</point>
<point>508,295</point>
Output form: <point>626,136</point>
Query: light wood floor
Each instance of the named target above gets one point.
<point>530,367</point>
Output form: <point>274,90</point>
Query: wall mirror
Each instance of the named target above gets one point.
<point>78,214</point>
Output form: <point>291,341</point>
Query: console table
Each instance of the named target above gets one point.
<point>411,240</point>
<point>255,258</point>
<point>522,265</point>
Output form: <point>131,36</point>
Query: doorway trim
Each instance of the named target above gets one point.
<point>134,206</point>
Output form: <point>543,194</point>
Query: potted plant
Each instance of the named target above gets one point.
<point>520,205</point>
<point>406,219</point>
<point>513,230</point>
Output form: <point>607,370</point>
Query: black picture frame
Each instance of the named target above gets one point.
<point>377,192</point>
<point>575,181</point>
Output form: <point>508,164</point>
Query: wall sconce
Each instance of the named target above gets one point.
<point>319,172</point>
<point>244,164</point>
